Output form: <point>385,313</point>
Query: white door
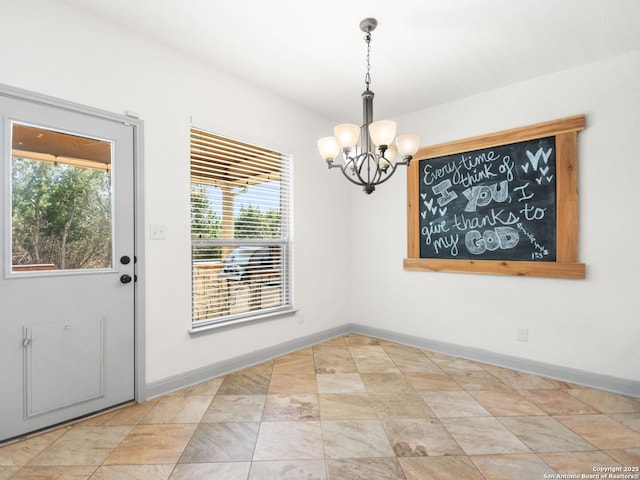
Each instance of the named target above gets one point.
<point>67,283</point>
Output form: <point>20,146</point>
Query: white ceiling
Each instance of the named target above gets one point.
<point>424,52</point>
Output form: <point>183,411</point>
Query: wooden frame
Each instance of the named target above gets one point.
<point>566,264</point>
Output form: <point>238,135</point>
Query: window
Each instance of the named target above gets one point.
<point>61,201</point>
<point>240,244</point>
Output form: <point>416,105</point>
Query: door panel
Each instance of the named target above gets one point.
<point>66,318</point>
<point>64,364</point>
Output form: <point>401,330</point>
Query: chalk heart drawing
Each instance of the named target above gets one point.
<point>429,204</point>
<point>431,208</point>
<point>535,158</point>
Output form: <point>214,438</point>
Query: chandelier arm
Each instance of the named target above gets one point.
<point>369,158</point>
<point>388,175</point>
<point>343,168</point>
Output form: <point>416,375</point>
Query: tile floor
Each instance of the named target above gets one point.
<point>350,408</point>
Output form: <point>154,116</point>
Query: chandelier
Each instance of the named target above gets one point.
<point>373,161</point>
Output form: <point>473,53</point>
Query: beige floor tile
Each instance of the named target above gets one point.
<point>129,415</point>
<point>304,351</point>
<point>602,431</point>
<point>372,359</point>
<point>289,441</point>
<point>557,402</point>
<point>545,434</point>
<point>420,437</point>
<point>20,453</point>
<point>440,468</point>
<point>294,364</point>
<point>364,469</point>
<point>629,457</point>
<point>303,407</point>
<point>431,381</point>
<point>177,409</point>
<point>411,360</point>
<point>477,381</point>
<point>264,368</point>
<point>400,405</point>
<point>631,420</point>
<point>333,359</point>
<point>82,446</point>
<point>524,381</point>
<point>152,444</point>
<point>513,467</point>
<point>505,404</point>
<point>483,436</point>
<point>346,406</point>
<point>211,471</point>
<point>451,364</point>
<point>453,404</point>
<point>288,470</point>
<point>221,442</point>
<point>235,408</point>
<point>357,339</point>
<point>577,463</point>
<point>133,472</point>
<point>293,383</point>
<point>607,402</point>
<point>340,383</point>
<point>55,473</point>
<point>355,439</point>
<point>245,384</point>
<point>386,383</point>
<point>7,472</point>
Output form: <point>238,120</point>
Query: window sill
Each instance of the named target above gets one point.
<point>285,312</point>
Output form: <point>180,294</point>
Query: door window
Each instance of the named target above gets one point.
<point>61,201</point>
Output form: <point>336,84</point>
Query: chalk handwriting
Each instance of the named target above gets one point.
<point>481,195</point>
<point>481,203</point>
<point>493,239</point>
<point>442,191</point>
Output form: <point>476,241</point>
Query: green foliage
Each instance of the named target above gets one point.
<point>254,223</point>
<point>61,215</point>
<point>205,222</point>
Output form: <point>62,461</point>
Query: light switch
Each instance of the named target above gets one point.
<point>158,232</point>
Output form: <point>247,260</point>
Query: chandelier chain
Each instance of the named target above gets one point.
<point>367,77</point>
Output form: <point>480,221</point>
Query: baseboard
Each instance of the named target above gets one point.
<point>580,377</point>
<point>193,377</point>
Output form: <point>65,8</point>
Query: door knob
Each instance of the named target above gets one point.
<point>125,278</point>
<point>125,260</point>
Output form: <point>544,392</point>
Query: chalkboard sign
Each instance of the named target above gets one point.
<point>490,204</point>
<point>504,203</point>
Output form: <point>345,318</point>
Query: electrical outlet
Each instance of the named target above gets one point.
<point>522,334</point>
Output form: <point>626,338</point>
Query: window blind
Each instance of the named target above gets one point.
<point>239,229</point>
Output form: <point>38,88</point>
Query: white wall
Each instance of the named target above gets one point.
<point>50,48</point>
<point>591,324</point>
<point>348,260</point>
